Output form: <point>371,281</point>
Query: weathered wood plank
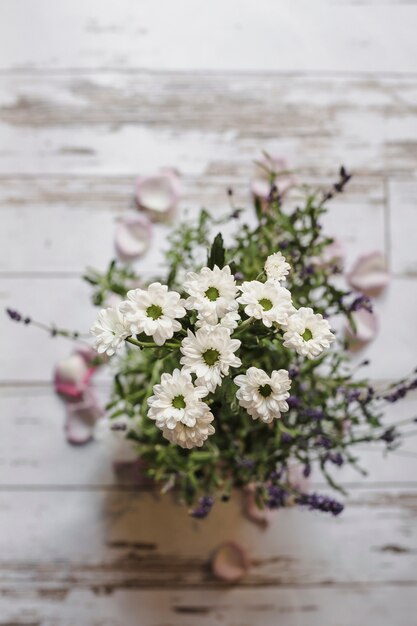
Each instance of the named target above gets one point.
<point>238,35</point>
<point>205,122</point>
<point>402,196</point>
<point>384,605</point>
<point>64,225</point>
<point>34,453</point>
<point>104,542</point>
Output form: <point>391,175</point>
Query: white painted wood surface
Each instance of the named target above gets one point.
<point>93,93</point>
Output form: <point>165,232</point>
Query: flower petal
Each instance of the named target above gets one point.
<point>369,274</point>
<point>367,325</point>
<point>230,561</point>
<point>158,194</point>
<point>261,517</point>
<point>132,237</point>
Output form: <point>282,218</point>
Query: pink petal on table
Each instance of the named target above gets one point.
<point>230,562</point>
<point>369,274</point>
<point>71,376</point>
<point>159,194</point>
<point>132,237</point>
<point>367,325</point>
<point>81,418</point>
<point>87,353</point>
<point>261,517</point>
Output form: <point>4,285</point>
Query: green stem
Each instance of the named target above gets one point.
<point>150,344</point>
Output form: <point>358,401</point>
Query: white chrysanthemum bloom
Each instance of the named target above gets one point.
<point>212,293</point>
<point>209,353</point>
<point>269,301</point>
<point>229,321</point>
<point>264,397</point>
<point>175,400</point>
<point>276,267</point>
<point>191,436</point>
<point>153,312</point>
<point>109,330</point>
<point>308,333</point>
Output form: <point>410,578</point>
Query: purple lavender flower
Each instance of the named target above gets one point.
<point>336,458</point>
<point>317,502</point>
<point>361,302</point>
<point>293,402</point>
<point>203,508</point>
<point>276,497</point>
<point>313,413</point>
<point>286,438</point>
<point>14,315</point>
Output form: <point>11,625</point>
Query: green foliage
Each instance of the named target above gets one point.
<point>331,409</point>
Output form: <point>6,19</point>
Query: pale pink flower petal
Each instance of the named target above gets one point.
<point>81,419</point>
<point>261,517</point>
<point>230,562</point>
<point>159,194</point>
<point>72,376</point>
<point>132,237</point>
<point>369,274</point>
<point>367,325</point>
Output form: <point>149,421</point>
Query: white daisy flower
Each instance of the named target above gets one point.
<point>209,353</point>
<point>229,321</point>
<point>212,293</point>
<point>269,301</point>
<point>176,400</point>
<point>153,312</point>
<point>263,396</point>
<point>308,333</point>
<point>276,267</point>
<point>191,436</point>
<point>110,330</point>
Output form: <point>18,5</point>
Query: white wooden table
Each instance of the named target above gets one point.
<point>93,93</point>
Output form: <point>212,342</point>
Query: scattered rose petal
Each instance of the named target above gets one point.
<point>369,274</point>
<point>261,183</point>
<point>87,353</point>
<point>81,419</point>
<point>230,562</point>
<point>261,517</point>
<point>366,329</point>
<point>159,194</point>
<point>132,237</point>
<point>72,376</point>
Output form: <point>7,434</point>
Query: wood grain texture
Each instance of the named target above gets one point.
<point>93,94</point>
<point>205,122</point>
<point>116,540</point>
<point>191,34</point>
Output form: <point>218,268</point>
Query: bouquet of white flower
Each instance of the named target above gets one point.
<point>218,323</point>
<point>226,374</point>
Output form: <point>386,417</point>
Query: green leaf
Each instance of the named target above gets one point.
<point>217,253</point>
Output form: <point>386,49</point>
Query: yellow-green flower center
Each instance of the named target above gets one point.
<point>307,334</point>
<point>212,293</point>
<point>211,356</point>
<point>265,390</point>
<point>178,402</point>
<point>154,311</point>
<point>266,304</point>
